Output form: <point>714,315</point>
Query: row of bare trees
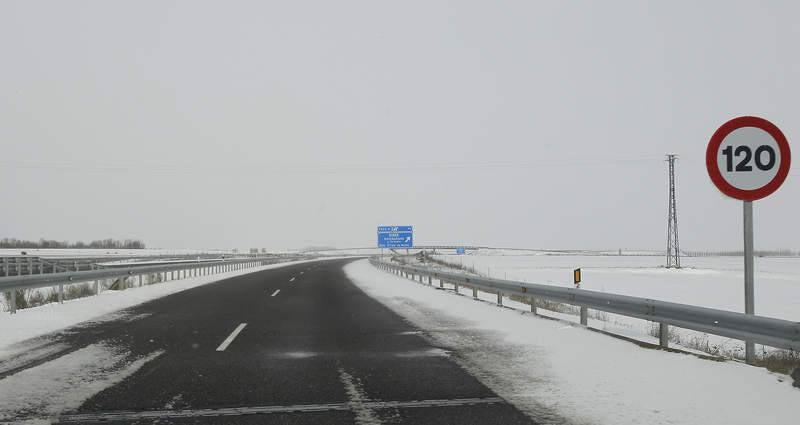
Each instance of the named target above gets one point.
<point>99,244</point>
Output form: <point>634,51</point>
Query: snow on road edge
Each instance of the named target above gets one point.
<point>44,392</point>
<point>557,372</point>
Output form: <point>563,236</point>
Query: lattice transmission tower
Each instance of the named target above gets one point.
<point>673,248</point>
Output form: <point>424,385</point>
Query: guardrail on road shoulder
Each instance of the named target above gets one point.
<point>32,281</point>
<point>762,330</point>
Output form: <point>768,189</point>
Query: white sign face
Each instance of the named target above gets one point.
<point>748,158</point>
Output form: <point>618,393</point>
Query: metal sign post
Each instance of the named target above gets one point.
<point>749,275</point>
<point>748,158</point>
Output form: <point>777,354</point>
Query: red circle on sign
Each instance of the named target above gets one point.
<point>744,194</point>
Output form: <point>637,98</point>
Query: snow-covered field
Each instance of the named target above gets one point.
<point>107,252</point>
<point>560,373</point>
<point>715,282</point>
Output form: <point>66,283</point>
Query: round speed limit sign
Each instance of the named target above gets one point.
<point>748,158</point>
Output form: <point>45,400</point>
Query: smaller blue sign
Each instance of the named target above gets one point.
<point>461,251</point>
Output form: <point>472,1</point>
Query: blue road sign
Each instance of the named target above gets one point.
<point>461,251</point>
<point>395,237</point>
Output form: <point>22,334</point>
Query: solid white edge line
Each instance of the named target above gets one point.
<point>230,337</point>
<point>275,293</point>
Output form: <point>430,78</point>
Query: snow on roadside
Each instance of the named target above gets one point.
<point>43,392</point>
<point>562,373</point>
<point>36,321</point>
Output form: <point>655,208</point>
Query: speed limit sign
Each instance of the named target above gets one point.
<point>748,158</point>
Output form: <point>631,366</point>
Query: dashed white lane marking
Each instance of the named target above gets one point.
<point>130,415</point>
<point>231,337</point>
<point>277,291</point>
<point>291,280</point>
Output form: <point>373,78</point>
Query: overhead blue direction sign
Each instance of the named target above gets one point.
<point>395,237</point>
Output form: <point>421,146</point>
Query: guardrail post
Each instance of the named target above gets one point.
<point>61,293</point>
<point>430,280</point>
<point>584,316</point>
<point>441,283</point>
<point>532,300</point>
<point>96,282</point>
<point>499,298</point>
<point>455,287</point>
<point>475,292</point>
<point>663,335</point>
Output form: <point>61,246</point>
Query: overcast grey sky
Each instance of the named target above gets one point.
<point>283,124</point>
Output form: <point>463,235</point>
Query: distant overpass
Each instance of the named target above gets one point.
<point>416,248</point>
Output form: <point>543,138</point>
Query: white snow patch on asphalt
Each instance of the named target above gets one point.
<point>46,391</point>
<point>566,374</point>
<point>36,321</point>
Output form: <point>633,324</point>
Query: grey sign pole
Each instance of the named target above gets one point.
<point>749,304</point>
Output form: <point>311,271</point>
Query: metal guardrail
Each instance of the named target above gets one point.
<point>762,330</point>
<point>15,265</point>
<point>168,271</point>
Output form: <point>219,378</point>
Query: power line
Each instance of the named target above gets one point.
<point>187,167</point>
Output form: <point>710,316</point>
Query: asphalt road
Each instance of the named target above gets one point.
<point>294,345</point>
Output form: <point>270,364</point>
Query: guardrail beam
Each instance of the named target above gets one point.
<point>161,272</point>
<point>750,328</point>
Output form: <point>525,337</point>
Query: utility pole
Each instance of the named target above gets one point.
<point>673,248</point>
